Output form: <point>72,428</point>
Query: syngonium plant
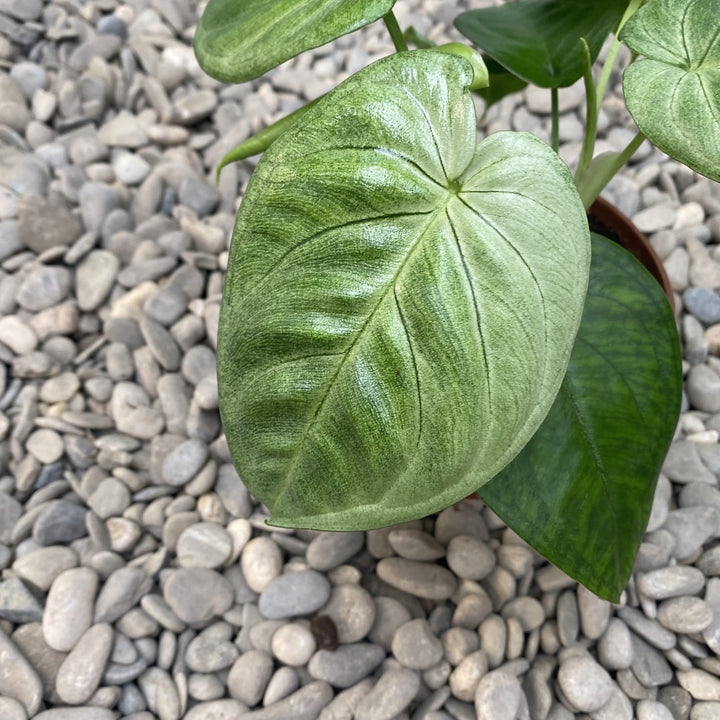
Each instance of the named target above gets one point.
<point>410,315</point>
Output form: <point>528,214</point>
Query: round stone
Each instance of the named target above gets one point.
<point>465,678</point>
<point>498,696</point>
<point>40,567</point>
<point>390,614</point>
<point>294,594</point>
<point>700,684</point>
<point>261,562</point>
<point>615,649</point>
<point>415,545</point>
<point>293,644</point>
<point>184,462</point>
<point>415,646</point>
<point>204,544</point>
<point>528,611</point>
<point>470,558</point>
<point>352,610</point>
<point>197,594</point>
<point>585,684</point>
<point>594,613</point>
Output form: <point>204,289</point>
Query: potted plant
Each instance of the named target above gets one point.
<point>411,315</point>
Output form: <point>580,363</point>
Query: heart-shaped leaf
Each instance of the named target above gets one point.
<point>238,40</point>
<point>673,92</point>
<point>580,491</point>
<point>400,303</point>
<point>539,40</point>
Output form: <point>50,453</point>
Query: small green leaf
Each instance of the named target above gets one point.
<point>239,40</point>
<point>580,491</point>
<point>673,93</point>
<point>394,293</point>
<point>539,40</point>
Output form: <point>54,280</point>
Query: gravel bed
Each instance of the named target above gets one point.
<point>138,579</point>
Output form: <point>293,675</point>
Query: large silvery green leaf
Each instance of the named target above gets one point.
<point>539,40</point>
<point>400,302</point>
<point>580,491</point>
<point>673,92</point>
<point>238,40</point>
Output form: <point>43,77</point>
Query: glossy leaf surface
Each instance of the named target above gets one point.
<point>673,92</point>
<point>539,40</point>
<point>238,40</point>
<point>580,491</point>
<point>400,303</point>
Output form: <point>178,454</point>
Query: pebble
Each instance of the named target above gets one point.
<point>60,522</point>
<point>43,287</point>
<point>204,544</point>
<point>184,462</point>
<point>470,558</point>
<point>69,607</point>
<point>40,567</point>
<point>415,545</point>
<point>249,676</point>
<point>424,580</point>
<point>17,603</point>
<point>700,684</point>
<point>94,278</point>
<point>465,678</point>
<point>43,224</point>
<point>22,683</point>
<point>347,665</point>
<point>703,303</point>
<point>293,644</point>
<point>586,684</point>
<point>685,614</point>
<point>294,594</point>
<point>703,389</point>
<point>671,581</point>
<point>352,609</point>
<point>225,709</point>
<point>261,562</point>
<point>392,693</point>
<point>499,696</point>
<point>80,713</point>
<point>415,646</point>
<point>80,673</point>
<point>330,549</point>
<point>197,594</point>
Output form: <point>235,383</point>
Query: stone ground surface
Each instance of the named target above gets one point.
<point>138,577</point>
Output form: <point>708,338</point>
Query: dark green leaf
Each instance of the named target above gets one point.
<point>395,292</point>
<point>539,40</point>
<point>580,491</point>
<point>238,40</point>
<point>673,93</point>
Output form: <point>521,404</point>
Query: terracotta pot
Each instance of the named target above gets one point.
<point>607,220</point>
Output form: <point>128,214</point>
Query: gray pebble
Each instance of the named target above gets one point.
<point>94,278</point>
<point>226,709</point>
<point>652,710</point>
<point>691,527</point>
<point>197,363</point>
<point>204,544</point>
<point>193,107</point>
<point>420,579</point>
<point>19,680</point>
<point>392,693</point>
<point>703,303</point>
<point>43,287</point>
<point>11,709</point>
<point>615,649</point>
<point>161,693</point>
<point>683,464</point>
<point>293,644</point>
<point>79,675</point>
<point>293,594</point>
<point>166,305</point>
<point>594,613</point>
<point>390,614</point>
<point>499,696</point>
<point>284,681</point>
<point>249,676</point>
<point>415,646</point>
<point>415,545</point>
<point>60,522</point>
<point>703,389</point>
<point>352,609</point>
<point>261,563</point>
<point>330,549</point>
<point>40,567</point>
<point>648,629</point>
<point>10,512</point>
<point>232,492</point>
<point>671,581</point>
<point>17,603</point>
<point>585,684</point>
<point>122,590</point>
<point>347,665</point>
<point>654,218</point>
<point>77,713</point>
<point>97,200</point>
<point>43,224</point>
<point>527,610</point>
<point>161,343</point>
<point>685,614</point>
<point>649,665</point>
<point>470,558</point>
<point>700,684</point>
<point>184,462</point>
<point>110,498</point>
<point>200,197</point>
<point>197,594</point>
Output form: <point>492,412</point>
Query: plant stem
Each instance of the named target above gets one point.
<point>555,119</point>
<point>395,32</point>
<point>609,63</point>
<point>605,171</point>
<point>591,114</point>
<point>417,39</point>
